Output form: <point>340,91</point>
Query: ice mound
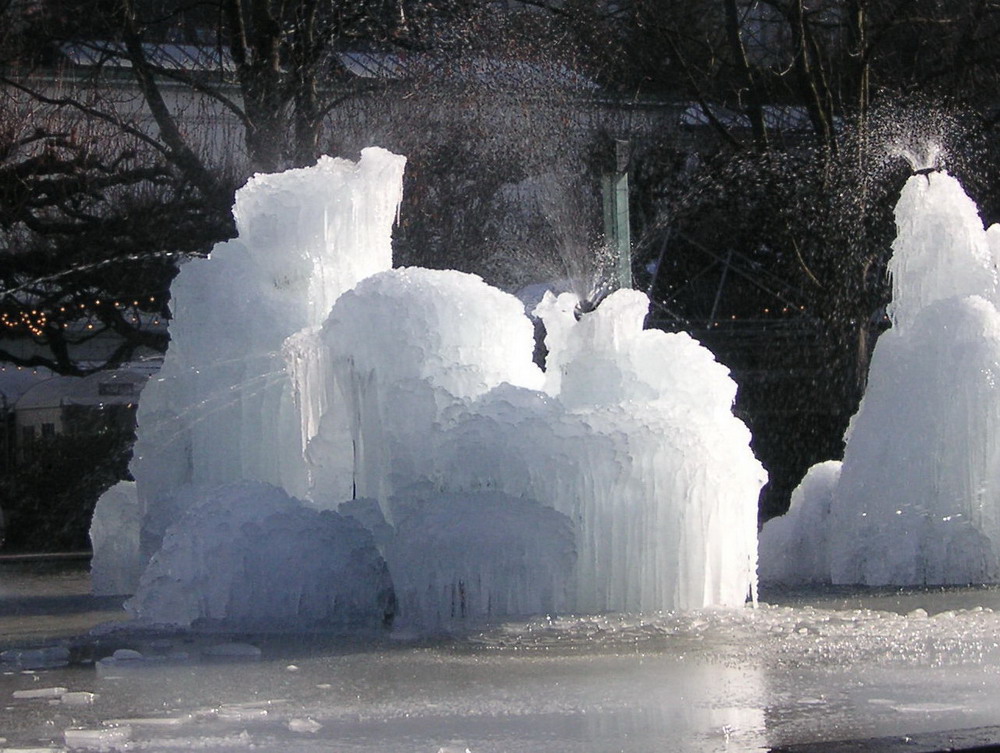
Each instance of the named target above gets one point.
<point>918,499</point>
<point>394,355</point>
<point>795,547</point>
<point>629,431</point>
<point>618,479</point>
<point>940,251</point>
<point>249,557</point>
<point>458,333</point>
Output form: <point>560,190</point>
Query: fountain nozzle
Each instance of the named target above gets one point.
<point>585,306</point>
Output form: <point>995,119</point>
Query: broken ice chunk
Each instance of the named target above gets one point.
<point>78,698</point>
<point>98,739</point>
<point>40,693</point>
<point>304,725</point>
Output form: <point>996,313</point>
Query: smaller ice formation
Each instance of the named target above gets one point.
<point>308,384</point>
<point>918,496</point>
<point>794,548</point>
<point>114,535</point>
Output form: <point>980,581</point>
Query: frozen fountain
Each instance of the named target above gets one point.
<point>334,447</point>
<point>391,424</point>
<point>916,500</point>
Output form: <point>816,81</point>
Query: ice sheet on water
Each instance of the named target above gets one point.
<point>247,556</point>
<point>918,497</point>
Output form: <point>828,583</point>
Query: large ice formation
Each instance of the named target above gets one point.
<point>918,497</point>
<point>407,399</point>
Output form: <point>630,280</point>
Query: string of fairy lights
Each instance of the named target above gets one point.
<point>37,321</point>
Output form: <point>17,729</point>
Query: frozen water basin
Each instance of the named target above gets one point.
<point>836,665</point>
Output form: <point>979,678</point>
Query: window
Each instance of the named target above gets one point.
<point>115,388</point>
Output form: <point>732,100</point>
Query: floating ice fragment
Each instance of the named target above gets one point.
<point>112,738</point>
<point>55,692</point>
<point>306,725</point>
<point>78,698</point>
<point>151,721</point>
<point>121,659</point>
<point>240,713</point>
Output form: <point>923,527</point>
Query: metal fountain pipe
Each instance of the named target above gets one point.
<point>617,232</point>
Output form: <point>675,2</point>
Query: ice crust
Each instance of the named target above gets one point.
<point>617,479</point>
<point>918,496</point>
<point>704,680</point>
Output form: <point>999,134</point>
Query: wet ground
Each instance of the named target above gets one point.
<point>884,670</point>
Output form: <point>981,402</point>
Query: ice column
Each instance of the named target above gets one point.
<point>919,491</point>
<point>918,495</point>
<point>223,407</point>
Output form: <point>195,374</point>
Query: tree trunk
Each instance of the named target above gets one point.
<point>754,106</point>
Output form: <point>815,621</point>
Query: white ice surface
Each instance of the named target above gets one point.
<point>794,548</point>
<point>629,434</point>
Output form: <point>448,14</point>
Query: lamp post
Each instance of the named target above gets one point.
<point>617,234</point>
